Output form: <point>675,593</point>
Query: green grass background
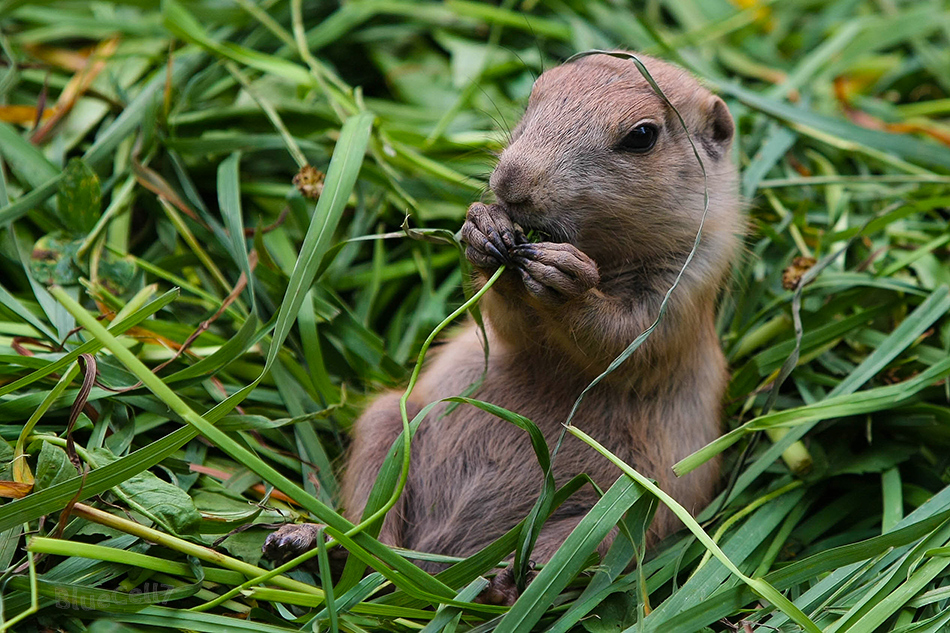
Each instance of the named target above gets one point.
<point>138,144</point>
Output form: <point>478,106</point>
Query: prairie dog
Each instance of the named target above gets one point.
<point>601,167</point>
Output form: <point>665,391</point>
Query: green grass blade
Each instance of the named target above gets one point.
<point>25,159</point>
<point>568,561</point>
<point>341,177</point>
<point>904,146</point>
<point>229,199</point>
<point>237,451</point>
<point>119,326</point>
<point>758,585</point>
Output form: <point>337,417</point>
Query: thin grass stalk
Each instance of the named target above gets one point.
<point>189,549</point>
<point>406,432</point>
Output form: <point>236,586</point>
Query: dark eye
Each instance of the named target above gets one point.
<point>640,139</point>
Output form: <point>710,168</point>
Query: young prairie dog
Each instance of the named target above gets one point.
<point>599,165</point>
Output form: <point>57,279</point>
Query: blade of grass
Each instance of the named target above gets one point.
<point>236,451</point>
<point>569,559</point>
<point>229,199</point>
<point>759,586</point>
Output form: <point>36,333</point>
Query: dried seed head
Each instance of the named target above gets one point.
<point>793,274</point>
<point>309,182</point>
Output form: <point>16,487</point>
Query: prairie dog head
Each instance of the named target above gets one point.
<point>600,160</point>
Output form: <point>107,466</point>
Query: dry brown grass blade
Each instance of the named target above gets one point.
<point>77,86</point>
<point>73,60</point>
<point>24,114</point>
<point>223,475</point>
<point>14,489</point>
<point>152,181</point>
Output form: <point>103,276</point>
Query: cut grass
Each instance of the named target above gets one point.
<point>157,221</point>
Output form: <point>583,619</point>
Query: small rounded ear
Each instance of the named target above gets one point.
<point>719,126</point>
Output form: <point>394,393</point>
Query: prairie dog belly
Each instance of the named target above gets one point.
<point>468,463</point>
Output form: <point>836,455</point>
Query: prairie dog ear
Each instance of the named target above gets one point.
<point>719,127</point>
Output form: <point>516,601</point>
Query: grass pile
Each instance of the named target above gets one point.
<point>224,224</point>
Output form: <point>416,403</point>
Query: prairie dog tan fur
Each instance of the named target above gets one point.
<point>601,167</point>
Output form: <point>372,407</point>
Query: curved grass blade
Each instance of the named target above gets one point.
<point>639,340</point>
<point>839,558</point>
<point>241,454</point>
<point>327,583</point>
<point>623,550</point>
<point>447,614</point>
<point>341,177</point>
<point>25,203</point>
<point>569,559</point>
<point>28,162</point>
<point>84,596</point>
<point>382,491</point>
<point>759,586</point>
<point>488,558</point>
<point>738,547</point>
<point>118,326</point>
<point>11,303</point>
<point>540,511</point>
<point>166,618</point>
<point>96,482</point>
<point>903,145</point>
<point>183,24</point>
<point>902,582</point>
<point>842,400</point>
<point>184,66</point>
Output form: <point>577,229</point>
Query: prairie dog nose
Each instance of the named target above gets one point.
<point>514,179</point>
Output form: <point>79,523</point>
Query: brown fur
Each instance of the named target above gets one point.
<point>635,216</point>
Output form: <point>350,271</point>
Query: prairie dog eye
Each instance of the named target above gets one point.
<point>640,139</point>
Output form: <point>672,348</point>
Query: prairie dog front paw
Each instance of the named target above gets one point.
<point>490,236</point>
<point>555,272</point>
